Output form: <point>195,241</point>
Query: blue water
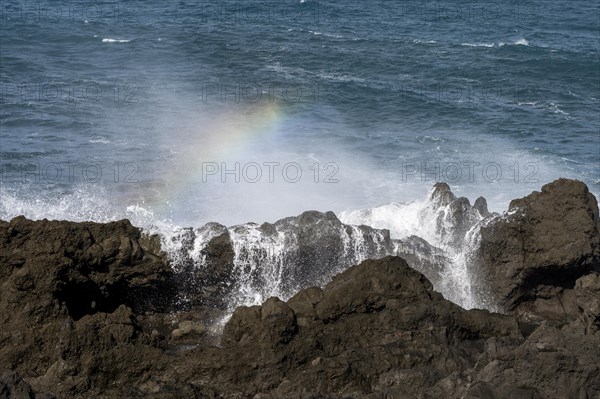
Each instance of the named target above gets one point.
<point>117,108</point>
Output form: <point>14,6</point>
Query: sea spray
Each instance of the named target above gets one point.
<point>448,223</point>
<point>245,264</point>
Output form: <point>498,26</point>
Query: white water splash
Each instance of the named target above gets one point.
<point>262,259</point>
<point>435,224</point>
<point>256,253</point>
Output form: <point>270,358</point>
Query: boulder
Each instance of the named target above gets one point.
<point>69,291</point>
<point>377,327</point>
<point>379,330</point>
<point>541,247</point>
<point>12,386</point>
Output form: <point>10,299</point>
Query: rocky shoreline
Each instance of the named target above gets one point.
<point>95,310</point>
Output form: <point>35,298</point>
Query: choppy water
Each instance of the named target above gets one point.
<point>180,113</point>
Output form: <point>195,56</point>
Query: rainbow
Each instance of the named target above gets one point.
<point>222,139</point>
<point>233,134</point>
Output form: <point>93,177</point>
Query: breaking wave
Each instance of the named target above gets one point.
<point>436,236</point>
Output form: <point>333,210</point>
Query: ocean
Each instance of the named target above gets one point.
<point>175,114</point>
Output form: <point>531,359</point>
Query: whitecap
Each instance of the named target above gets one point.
<point>519,42</point>
<point>554,108</point>
<point>100,140</point>
<point>527,103</point>
<point>478,44</point>
<point>418,41</point>
<point>109,40</point>
<point>287,72</point>
<point>522,42</point>
<point>340,77</point>
<point>571,160</point>
<point>325,34</point>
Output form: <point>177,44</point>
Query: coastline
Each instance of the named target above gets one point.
<point>93,309</point>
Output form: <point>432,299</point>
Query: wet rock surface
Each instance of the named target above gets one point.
<point>89,310</point>
<point>455,217</point>
<point>290,254</point>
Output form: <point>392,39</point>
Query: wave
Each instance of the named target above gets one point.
<point>478,44</point>
<point>418,41</point>
<point>554,108</point>
<point>109,40</point>
<point>99,140</point>
<point>522,42</point>
<point>287,72</point>
<point>326,35</point>
<point>518,42</point>
<point>437,236</point>
<point>280,258</point>
<point>340,77</point>
<point>435,220</point>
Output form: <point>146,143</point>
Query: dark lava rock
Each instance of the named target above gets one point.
<point>86,312</point>
<point>68,295</point>
<point>12,386</point>
<point>82,267</point>
<point>541,247</point>
<point>379,329</point>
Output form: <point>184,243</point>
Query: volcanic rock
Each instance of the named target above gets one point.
<point>89,310</point>
<point>537,251</point>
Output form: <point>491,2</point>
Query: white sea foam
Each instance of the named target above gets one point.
<point>522,42</point>
<point>555,109</point>
<point>419,41</point>
<point>518,42</point>
<point>100,140</point>
<point>420,218</point>
<point>478,44</point>
<point>109,40</point>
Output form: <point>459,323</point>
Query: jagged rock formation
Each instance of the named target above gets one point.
<point>379,329</point>
<point>534,255</point>
<point>86,311</point>
<point>12,386</point>
<point>455,217</point>
<point>69,290</point>
<point>72,305</point>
